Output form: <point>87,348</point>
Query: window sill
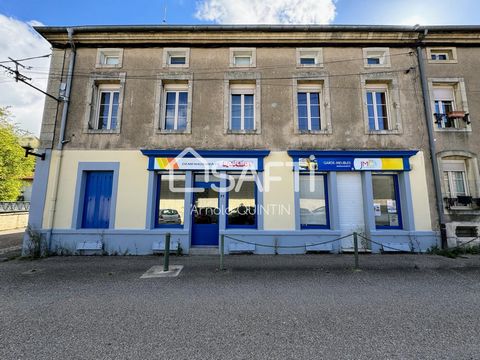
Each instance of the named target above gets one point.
<point>242,66</point>
<point>313,132</point>
<point>454,130</point>
<point>172,132</point>
<point>300,66</point>
<point>442,61</point>
<point>177,66</point>
<point>242,132</point>
<point>93,131</point>
<point>105,66</point>
<point>377,66</point>
<point>383,132</point>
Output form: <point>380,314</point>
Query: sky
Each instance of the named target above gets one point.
<point>18,40</point>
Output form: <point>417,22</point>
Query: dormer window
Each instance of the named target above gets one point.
<point>109,58</point>
<point>309,57</point>
<point>242,57</point>
<point>176,57</point>
<point>376,57</point>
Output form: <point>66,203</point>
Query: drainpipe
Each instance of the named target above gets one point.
<point>431,140</point>
<point>61,140</point>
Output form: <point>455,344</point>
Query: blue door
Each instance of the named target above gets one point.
<point>205,215</point>
<point>96,203</point>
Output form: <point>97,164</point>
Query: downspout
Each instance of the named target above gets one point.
<point>61,139</point>
<point>431,138</point>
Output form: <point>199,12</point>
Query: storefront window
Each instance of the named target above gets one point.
<point>171,204</point>
<point>242,209</point>
<point>386,202</point>
<point>313,201</point>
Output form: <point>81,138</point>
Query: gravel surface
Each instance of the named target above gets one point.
<point>261,307</point>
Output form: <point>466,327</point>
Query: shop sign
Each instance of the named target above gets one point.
<point>350,164</point>
<point>195,163</point>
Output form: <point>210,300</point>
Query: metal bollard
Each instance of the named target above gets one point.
<point>166,256</point>
<point>355,247</point>
<point>222,251</point>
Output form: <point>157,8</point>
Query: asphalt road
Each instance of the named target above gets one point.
<point>262,307</point>
<point>10,243</point>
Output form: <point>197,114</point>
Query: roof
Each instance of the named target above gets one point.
<point>96,35</point>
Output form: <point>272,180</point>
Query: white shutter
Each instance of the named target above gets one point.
<point>350,206</point>
<point>443,93</point>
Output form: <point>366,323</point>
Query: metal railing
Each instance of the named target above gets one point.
<point>14,206</point>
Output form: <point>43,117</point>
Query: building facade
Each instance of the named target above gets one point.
<point>288,136</point>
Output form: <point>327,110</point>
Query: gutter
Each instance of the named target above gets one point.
<point>61,140</point>
<point>431,138</point>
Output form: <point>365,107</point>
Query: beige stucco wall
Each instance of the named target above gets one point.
<point>278,198</point>
<point>13,221</point>
<point>418,183</point>
<point>132,187</point>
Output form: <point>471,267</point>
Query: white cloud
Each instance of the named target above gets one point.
<point>18,40</point>
<point>266,11</point>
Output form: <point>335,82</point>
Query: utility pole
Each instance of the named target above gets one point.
<point>22,78</point>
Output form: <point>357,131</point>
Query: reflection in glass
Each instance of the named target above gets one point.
<point>385,201</point>
<point>205,209</point>
<point>171,204</point>
<point>241,202</point>
<point>313,209</point>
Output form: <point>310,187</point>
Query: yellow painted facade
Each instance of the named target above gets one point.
<point>132,187</point>
<point>278,198</point>
<point>418,183</point>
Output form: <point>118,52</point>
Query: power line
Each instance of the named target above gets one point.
<point>24,59</point>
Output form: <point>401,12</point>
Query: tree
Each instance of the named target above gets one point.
<point>14,166</point>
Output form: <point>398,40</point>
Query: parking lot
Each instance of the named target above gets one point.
<point>261,307</point>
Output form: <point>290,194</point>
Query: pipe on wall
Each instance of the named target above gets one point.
<point>431,141</point>
<point>61,140</point>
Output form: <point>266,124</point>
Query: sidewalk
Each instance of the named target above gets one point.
<point>11,243</point>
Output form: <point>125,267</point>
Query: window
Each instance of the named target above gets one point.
<point>176,57</point>
<point>176,107</point>
<point>445,112</point>
<point>313,201</point>
<point>455,179</point>
<point>377,107</point>
<point>309,108</point>
<point>171,203</point>
<point>109,58</point>
<point>242,206</point>
<point>97,199</point>
<point>386,201</point>
<point>242,107</point>
<point>442,55</point>
<point>376,57</point>
<point>108,103</point>
<point>242,57</point>
<point>309,57</point>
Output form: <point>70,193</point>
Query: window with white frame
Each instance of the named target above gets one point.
<point>444,98</point>
<point>455,180</point>
<point>309,100</point>
<point>242,107</point>
<point>376,57</point>
<point>242,57</point>
<point>109,58</point>
<point>107,109</point>
<point>378,107</point>
<point>442,55</point>
<point>176,107</point>
<point>309,57</point>
<point>176,57</point>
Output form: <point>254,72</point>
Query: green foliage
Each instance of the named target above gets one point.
<point>13,164</point>
<point>455,252</point>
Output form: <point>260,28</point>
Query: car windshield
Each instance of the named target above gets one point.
<point>169,212</point>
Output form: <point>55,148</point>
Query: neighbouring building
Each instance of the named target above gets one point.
<point>322,130</point>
